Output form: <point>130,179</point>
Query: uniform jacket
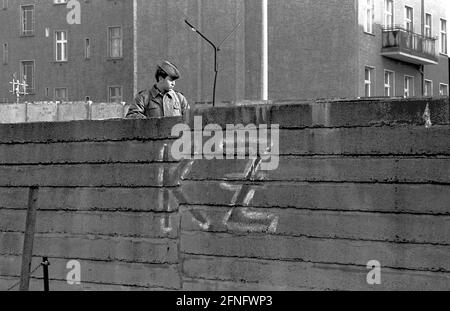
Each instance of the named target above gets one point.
<point>152,104</point>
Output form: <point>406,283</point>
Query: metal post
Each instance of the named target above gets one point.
<point>27,253</point>
<point>215,58</point>
<point>216,50</point>
<point>45,265</point>
<point>264,53</point>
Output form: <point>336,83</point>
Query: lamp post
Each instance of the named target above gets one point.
<point>216,50</point>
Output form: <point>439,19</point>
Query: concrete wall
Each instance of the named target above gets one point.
<point>357,181</point>
<point>57,111</point>
<point>312,51</point>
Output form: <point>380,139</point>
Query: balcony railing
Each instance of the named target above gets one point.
<point>405,45</point>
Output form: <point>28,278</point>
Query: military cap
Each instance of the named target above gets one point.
<point>169,68</point>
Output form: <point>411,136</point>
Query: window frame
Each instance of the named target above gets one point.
<point>443,34</point>
<point>370,82</point>
<point>22,20</point>
<point>109,93</point>
<point>109,45</point>
<point>32,90</point>
<point>5,52</point>
<point>369,13</point>
<point>407,20</point>
<point>66,47</point>
<point>425,87</point>
<point>440,87</point>
<point>428,28</point>
<point>412,94</point>
<point>87,48</point>
<point>61,88</point>
<point>387,14</point>
<point>391,87</point>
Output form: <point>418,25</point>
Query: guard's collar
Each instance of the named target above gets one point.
<point>155,92</point>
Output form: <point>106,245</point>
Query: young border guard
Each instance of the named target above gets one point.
<point>161,100</point>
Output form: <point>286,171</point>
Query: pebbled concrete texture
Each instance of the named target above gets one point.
<point>358,180</point>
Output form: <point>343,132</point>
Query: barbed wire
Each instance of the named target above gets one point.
<point>34,270</point>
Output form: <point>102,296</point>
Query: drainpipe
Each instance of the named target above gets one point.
<point>265,53</point>
<point>422,69</point>
<point>135,47</point>
<point>422,73</point>
<point>423,17</point>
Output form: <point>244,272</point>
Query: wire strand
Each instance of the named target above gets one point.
<point>34,270</point>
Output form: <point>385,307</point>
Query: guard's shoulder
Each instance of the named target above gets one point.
<point>180,95</point>
<point>143,92</point>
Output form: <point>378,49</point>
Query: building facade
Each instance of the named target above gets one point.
<point>403,48</point>
<point>316,49</point>
<point>91,60</point>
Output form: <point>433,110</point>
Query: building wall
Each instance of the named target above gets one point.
<point>312,49</point>
<point>309,50</point>
<point>439,73</point>
<point>163,34</point>
<point>317,49</point>
<point>110,195</point>
<point>81,77</point>
<point>370,47</point>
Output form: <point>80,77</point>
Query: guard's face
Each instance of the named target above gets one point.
<point>166,85</point>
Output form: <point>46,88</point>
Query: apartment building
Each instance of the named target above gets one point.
<point>61,61</point>
<point>403,48</point>
<point>316,49</point>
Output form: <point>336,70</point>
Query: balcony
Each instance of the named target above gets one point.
<point>407,46</point>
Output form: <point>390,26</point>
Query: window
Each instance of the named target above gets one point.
<point>389,13</point>
<point>5,54</point>
<point>115,94</point>
<point>409,86</point>
<point>5,4</point>
<point>409,27</point>
<point>428,88</point>
<point>443,89</point>
<point>87,48</point>
<point>27,20</point>
<point>61,46</point>
<point>27,74</point>
<point>368,81</point>
<point>61,94</point>
<point>409,19</point>
<point>443,36</point>
<point>388,83</point>
<point>428,23</point>
<point>115,42</point>
<point>368,25</point>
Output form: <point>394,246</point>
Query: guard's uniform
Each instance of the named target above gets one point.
<point>153,104</point>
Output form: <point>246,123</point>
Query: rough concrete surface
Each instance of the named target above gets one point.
<point>358,180</point>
